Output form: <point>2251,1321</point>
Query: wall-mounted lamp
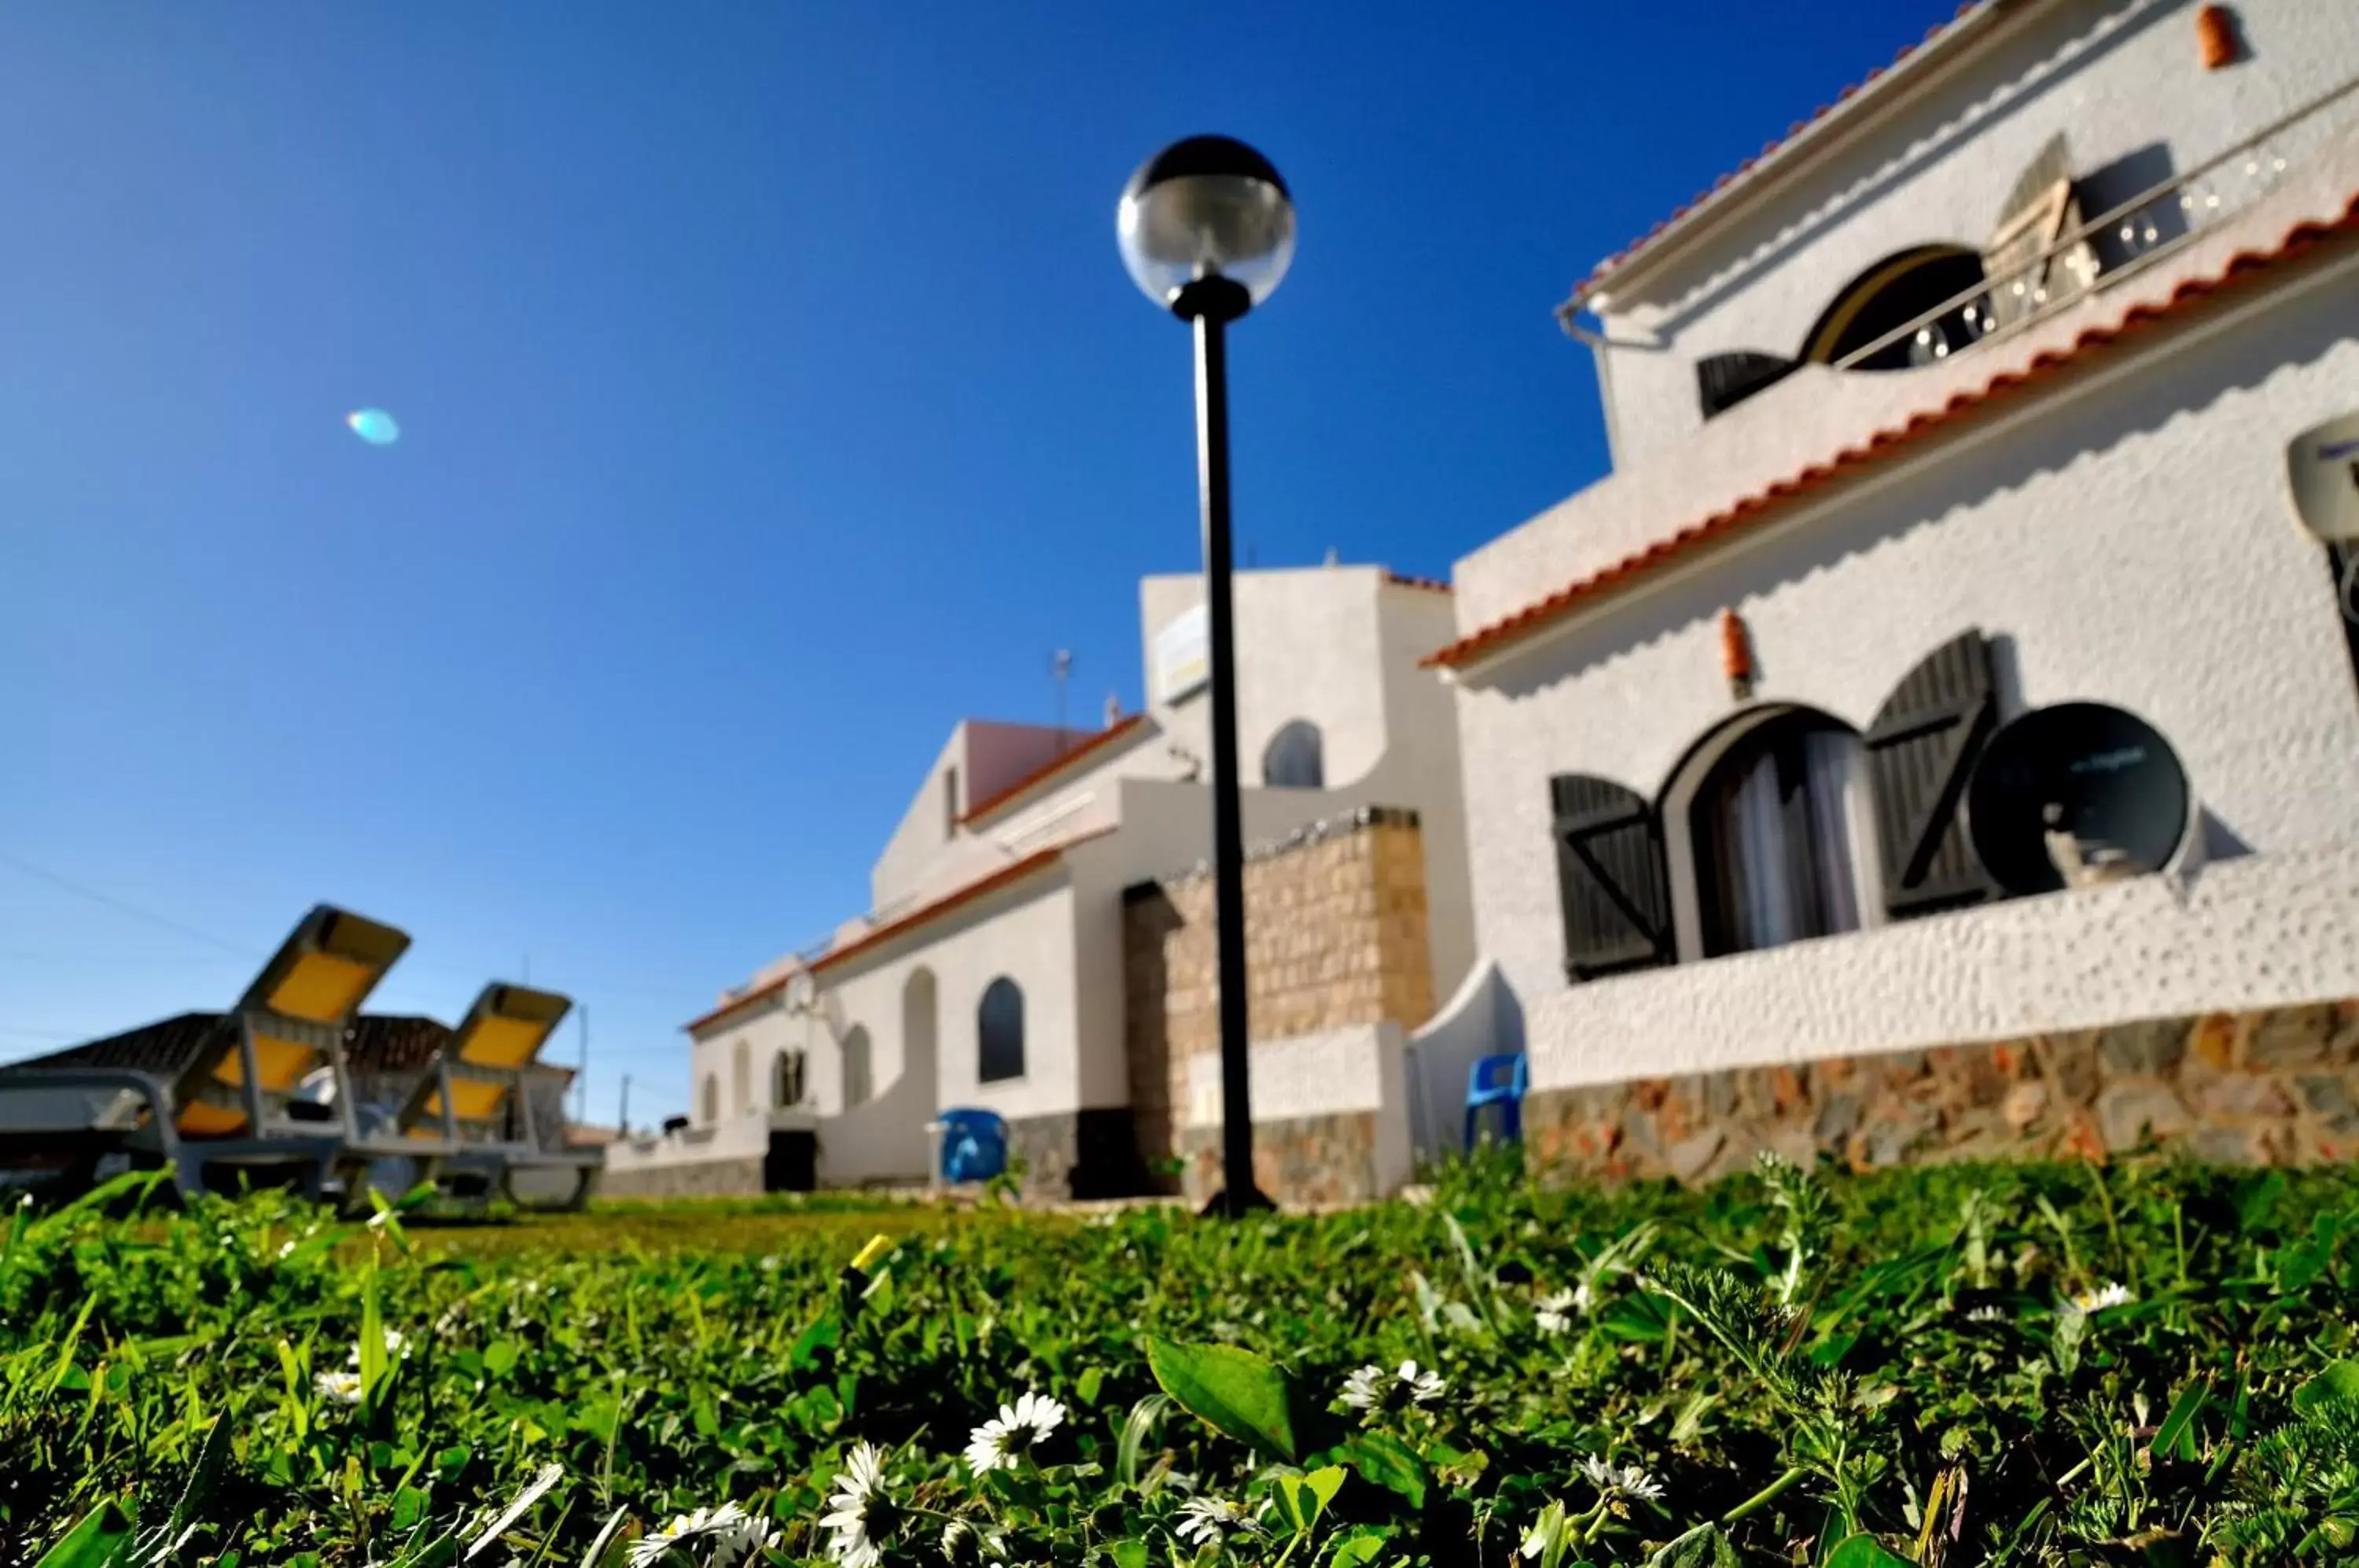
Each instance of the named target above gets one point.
<point>1736,655</point>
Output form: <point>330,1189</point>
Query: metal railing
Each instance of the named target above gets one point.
<point>2139,233</point>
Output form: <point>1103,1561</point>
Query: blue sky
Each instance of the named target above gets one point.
<point>772,397</point>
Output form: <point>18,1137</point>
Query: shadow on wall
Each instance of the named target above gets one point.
<point>2037,447</point>
<point>1485,1018</point>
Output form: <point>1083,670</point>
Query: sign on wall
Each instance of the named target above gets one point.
<point>1183,657</point>
<point>2323,471</point>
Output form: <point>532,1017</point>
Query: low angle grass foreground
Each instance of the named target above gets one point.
<point>2146,1363</point>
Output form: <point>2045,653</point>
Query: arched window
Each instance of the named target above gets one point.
<point>1773,829</point>
<point>712,1098</point>
<point>1293,759</point>
<point>787,1079</point>
<point>741,1078</point>
<point>999,1032</point>
<point>857,1088</point>
<point>1894,292</point>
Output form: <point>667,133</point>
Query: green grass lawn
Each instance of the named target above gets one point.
<point>2150,1362</point>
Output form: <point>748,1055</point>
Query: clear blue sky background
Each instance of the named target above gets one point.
<point>772,397</point>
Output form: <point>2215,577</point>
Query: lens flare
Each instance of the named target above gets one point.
<point>373,426</point>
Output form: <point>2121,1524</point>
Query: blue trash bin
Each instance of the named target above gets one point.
<point>974,1144</point>
<point>1497,1081</point>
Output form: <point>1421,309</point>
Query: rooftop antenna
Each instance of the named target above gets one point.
<point>582,1073</point>
<point>1332,559</point>
<point>1062,667</point>
<point>622,1113</point>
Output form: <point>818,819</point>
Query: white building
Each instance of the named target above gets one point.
<point>1898,445</point>
<point>988,970</point>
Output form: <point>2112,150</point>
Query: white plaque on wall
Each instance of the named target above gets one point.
<point>2322,469</point>
<point>1184,658</point>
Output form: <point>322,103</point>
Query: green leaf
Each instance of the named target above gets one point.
<point>1641,1317</point>
<point>500,1357</point>
<point>1386,1461</point>
<point>2339,1381</point>
<point>1233,1390</point>
<point>1130,1554</point>
<point>1361,1546</point>
<point>2176,1435</point>
<point>1092,1380</point>
<point>1862,1550</point>
<point>103,1534</point>
<point>1305,1498</point>
<point>825,1333</point>
<point>1702,1546</point>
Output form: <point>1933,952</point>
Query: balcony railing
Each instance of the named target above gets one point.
<point>2115,244</point>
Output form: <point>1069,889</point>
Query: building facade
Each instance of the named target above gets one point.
<point>990,969</point>
<point>1971,399</point>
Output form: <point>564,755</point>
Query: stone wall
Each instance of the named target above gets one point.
<point>1335,936</point>
<point>1301,1161</point>
<point>2268,1087</point>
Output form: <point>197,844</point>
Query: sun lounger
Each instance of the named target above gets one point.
<point>479,1099</point>
<point>233,1111</point>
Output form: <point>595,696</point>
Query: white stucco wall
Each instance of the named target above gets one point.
<point>2125,538</point>
<point>2261,931</point>
<point>2114,76</point>
<point>1818,412</point>
<point>1024,932</point>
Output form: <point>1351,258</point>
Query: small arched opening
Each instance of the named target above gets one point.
<point>712,1106</point>
<point>1294,757</point>
<point>1772,833</point>
<point>856,1068</point>
<point>785,1080</point>
<point>1869,310</point>
<point>999,1032</point>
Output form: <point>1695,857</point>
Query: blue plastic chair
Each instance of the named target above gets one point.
<point>1497,1081</point>
<point>974,1144</point>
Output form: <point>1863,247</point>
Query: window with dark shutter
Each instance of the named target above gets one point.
<point>1609,857</point>
<point>1724,380</point>
<point>1921,748</point>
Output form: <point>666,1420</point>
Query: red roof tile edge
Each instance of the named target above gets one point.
<point>1053,766</point>
<point>1006,875</point>
<point>743,998</point>
<point>2239,268</point>
<point>1588,285</point>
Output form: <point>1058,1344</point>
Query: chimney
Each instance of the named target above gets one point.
<point>1112,708</point>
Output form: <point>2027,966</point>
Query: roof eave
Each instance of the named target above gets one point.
<point>1855,111</point>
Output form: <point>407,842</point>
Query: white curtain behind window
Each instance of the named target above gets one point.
<point>1765,893</point>
<point>1830,761</point>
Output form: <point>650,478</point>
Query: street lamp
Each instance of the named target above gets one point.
<point>1207,230</point>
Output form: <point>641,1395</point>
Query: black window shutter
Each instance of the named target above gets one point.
<point>1922,747</point>
<point>1609,859</point>
<point>1724,380</point>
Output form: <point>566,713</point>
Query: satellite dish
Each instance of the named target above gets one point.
<point>2322,473</point>
<point>2076,794</point>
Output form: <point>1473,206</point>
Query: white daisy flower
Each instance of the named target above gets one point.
<point>727,1533</point>
<point>1203,1520</point>
<point>1582,1300</point>
<point>861,1509</point>
<point>1020,1428</point>
<point>1554,1313</point>
<point>1373,1389</point>
<point>2106,1295</point>
<point>344,1387</point>
<point>964,1546</point>
<point>1987,1314</point>
<point>1627,1479</point>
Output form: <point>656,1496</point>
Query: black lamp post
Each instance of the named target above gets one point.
<point>1207,230</point>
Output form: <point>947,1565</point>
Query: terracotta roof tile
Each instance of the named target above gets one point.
<point>1055,766</point>
<point>1767,501</point>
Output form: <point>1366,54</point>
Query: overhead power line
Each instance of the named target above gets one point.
<point>163,922</point>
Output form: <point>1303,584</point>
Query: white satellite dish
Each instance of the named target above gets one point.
<point>2322,474</point>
